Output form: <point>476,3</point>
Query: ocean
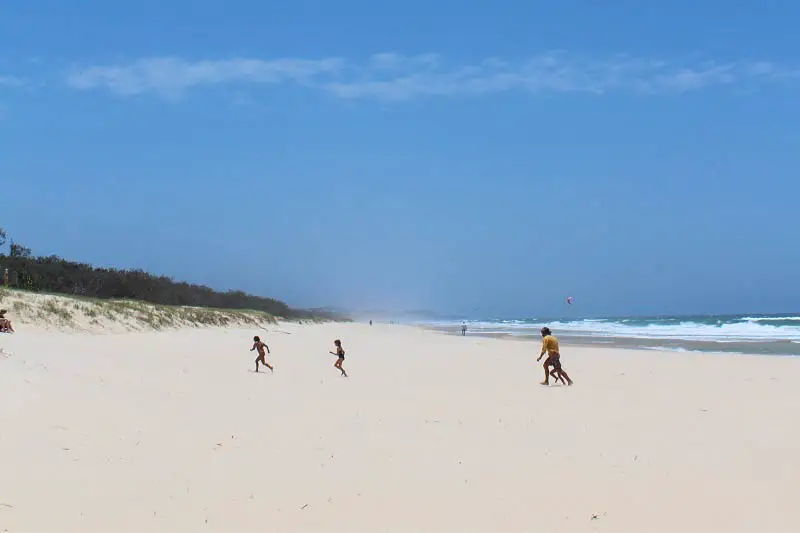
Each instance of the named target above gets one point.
<point>754,334</point>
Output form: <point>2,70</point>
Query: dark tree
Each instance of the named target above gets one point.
<point>56,275</point>
<point>3,236</point>
<point>17,250</point>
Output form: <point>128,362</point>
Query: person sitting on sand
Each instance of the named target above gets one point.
<point>340,356</point>
<point>5,324</point>
<point>550,347</point>
<point>258,345</point>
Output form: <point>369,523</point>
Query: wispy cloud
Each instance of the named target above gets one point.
<point>12,82</point>
<point>171,76</point>
<point>559,72</point>
<point>395,77</point>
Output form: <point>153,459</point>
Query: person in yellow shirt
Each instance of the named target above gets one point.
<point>550,347</point>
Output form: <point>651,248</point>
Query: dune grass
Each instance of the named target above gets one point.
<point>74,311</point>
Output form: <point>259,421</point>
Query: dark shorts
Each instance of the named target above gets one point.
<point>554,361</point>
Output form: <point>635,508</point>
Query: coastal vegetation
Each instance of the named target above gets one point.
<point>53,275</point>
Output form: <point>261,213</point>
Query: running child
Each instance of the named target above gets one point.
<point>262,357</point>
<point>339,353</point>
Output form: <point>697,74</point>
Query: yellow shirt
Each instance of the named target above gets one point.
<point>550,345</point>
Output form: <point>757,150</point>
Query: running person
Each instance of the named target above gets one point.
<point>262,357</point>
<point>5,324</point>
<point>339,353</point>
<point>550,347</point>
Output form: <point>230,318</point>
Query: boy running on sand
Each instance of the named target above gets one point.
<point>340,356</point>
<point>550,347</point>
<point>258,345</point>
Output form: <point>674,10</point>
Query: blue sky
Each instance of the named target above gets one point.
<point>444,155</point>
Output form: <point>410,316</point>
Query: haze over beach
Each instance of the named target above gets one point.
<point>430,184</point>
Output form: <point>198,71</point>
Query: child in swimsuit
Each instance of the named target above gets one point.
<point>262,357</point>
<point>340,356</point>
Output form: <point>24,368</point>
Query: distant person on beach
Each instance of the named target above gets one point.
<point>5,324</point>
<point>463,329</point>
<point>370,322</point>
<point>262,357</point>
<point>550,347</point>
<point>339,353</point>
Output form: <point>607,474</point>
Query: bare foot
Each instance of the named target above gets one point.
<point>544,383</point>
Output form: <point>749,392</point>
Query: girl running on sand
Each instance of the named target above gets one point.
<point>340,355</point>
<point>262,357</point>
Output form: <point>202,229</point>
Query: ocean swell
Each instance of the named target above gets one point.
<point>707,328</point>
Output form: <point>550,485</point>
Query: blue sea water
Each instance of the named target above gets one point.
<point>776,334</point>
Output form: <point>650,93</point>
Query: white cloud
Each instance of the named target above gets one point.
<point>171,76</point>
<point>12,82</point>
<point>390,61</point>
<point>558,72</point>
<point>395,77</point>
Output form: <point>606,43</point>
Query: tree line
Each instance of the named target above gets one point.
<point>53,274</point>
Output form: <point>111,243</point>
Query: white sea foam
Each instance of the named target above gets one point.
<point>666,349</point>
<point>730,332</point>
<point>748,329</point>
<point>772,319</point>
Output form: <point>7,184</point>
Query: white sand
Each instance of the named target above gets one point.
<point>173,431</point>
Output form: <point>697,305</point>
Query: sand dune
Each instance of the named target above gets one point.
<point>92,315</point>
<point>174,431</point>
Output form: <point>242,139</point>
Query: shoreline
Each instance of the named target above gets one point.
<point>779,348</point>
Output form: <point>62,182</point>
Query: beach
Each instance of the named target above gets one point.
<point>173,430</point>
